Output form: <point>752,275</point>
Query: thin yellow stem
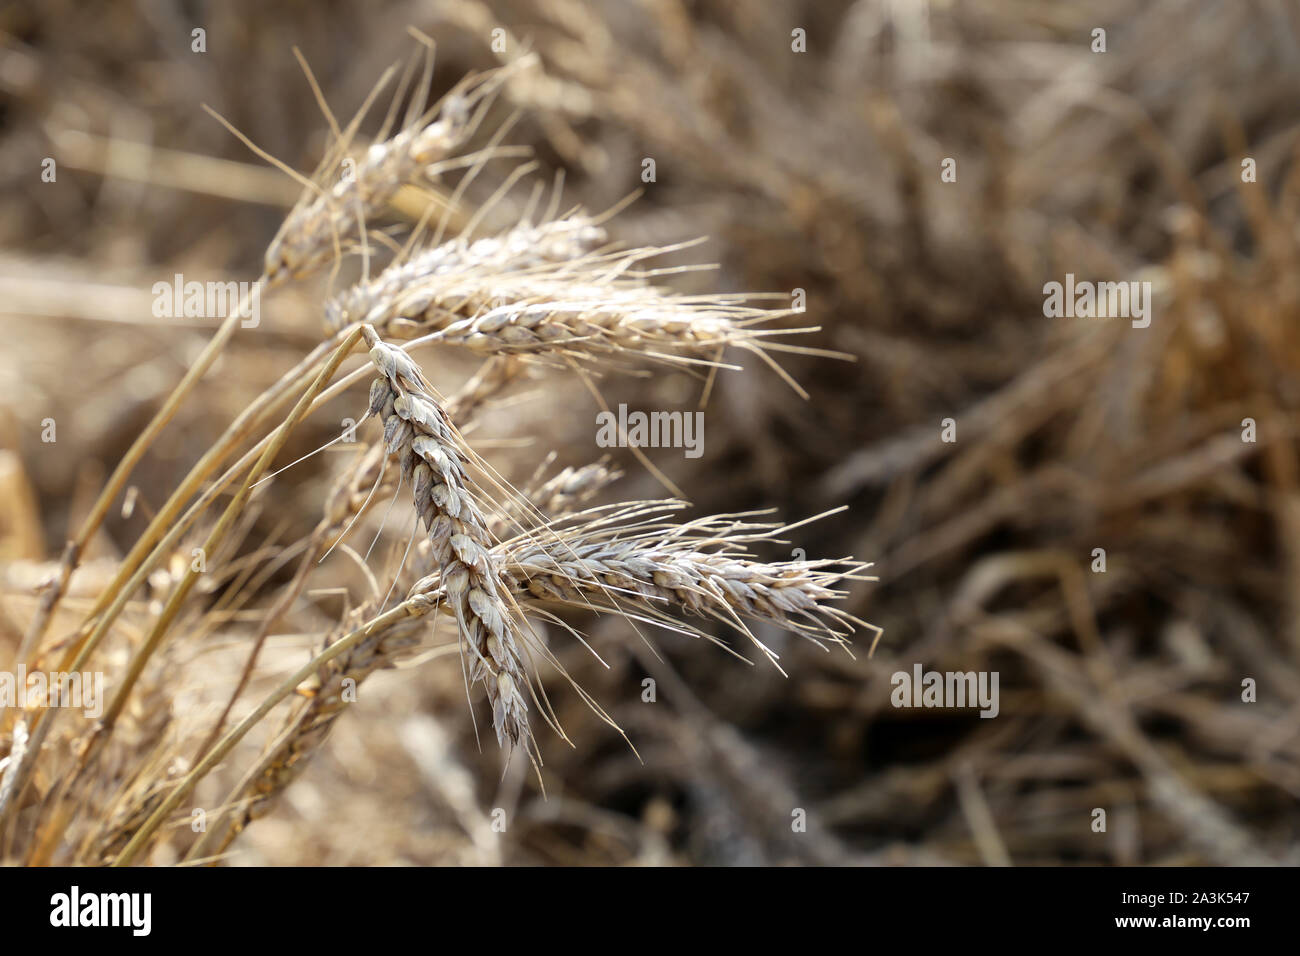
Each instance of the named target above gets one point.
<point>409,608</point>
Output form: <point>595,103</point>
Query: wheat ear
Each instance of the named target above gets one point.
<point>381,301</point>
<point>307,237</point>
<point>626,561</point>
<point>419,433</point>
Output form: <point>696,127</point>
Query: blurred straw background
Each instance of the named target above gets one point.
<point>817,171</point>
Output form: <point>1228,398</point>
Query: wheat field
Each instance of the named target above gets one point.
<point>551,433</point>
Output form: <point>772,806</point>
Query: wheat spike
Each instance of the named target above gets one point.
<point>418,432</point>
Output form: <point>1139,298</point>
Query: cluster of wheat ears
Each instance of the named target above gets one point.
<point>498,563</point>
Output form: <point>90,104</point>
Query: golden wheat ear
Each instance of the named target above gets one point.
<point>420,435</point>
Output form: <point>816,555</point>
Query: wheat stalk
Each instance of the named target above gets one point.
<point>359,485</point>
<point>613,562</point>
<point>549,289</point>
